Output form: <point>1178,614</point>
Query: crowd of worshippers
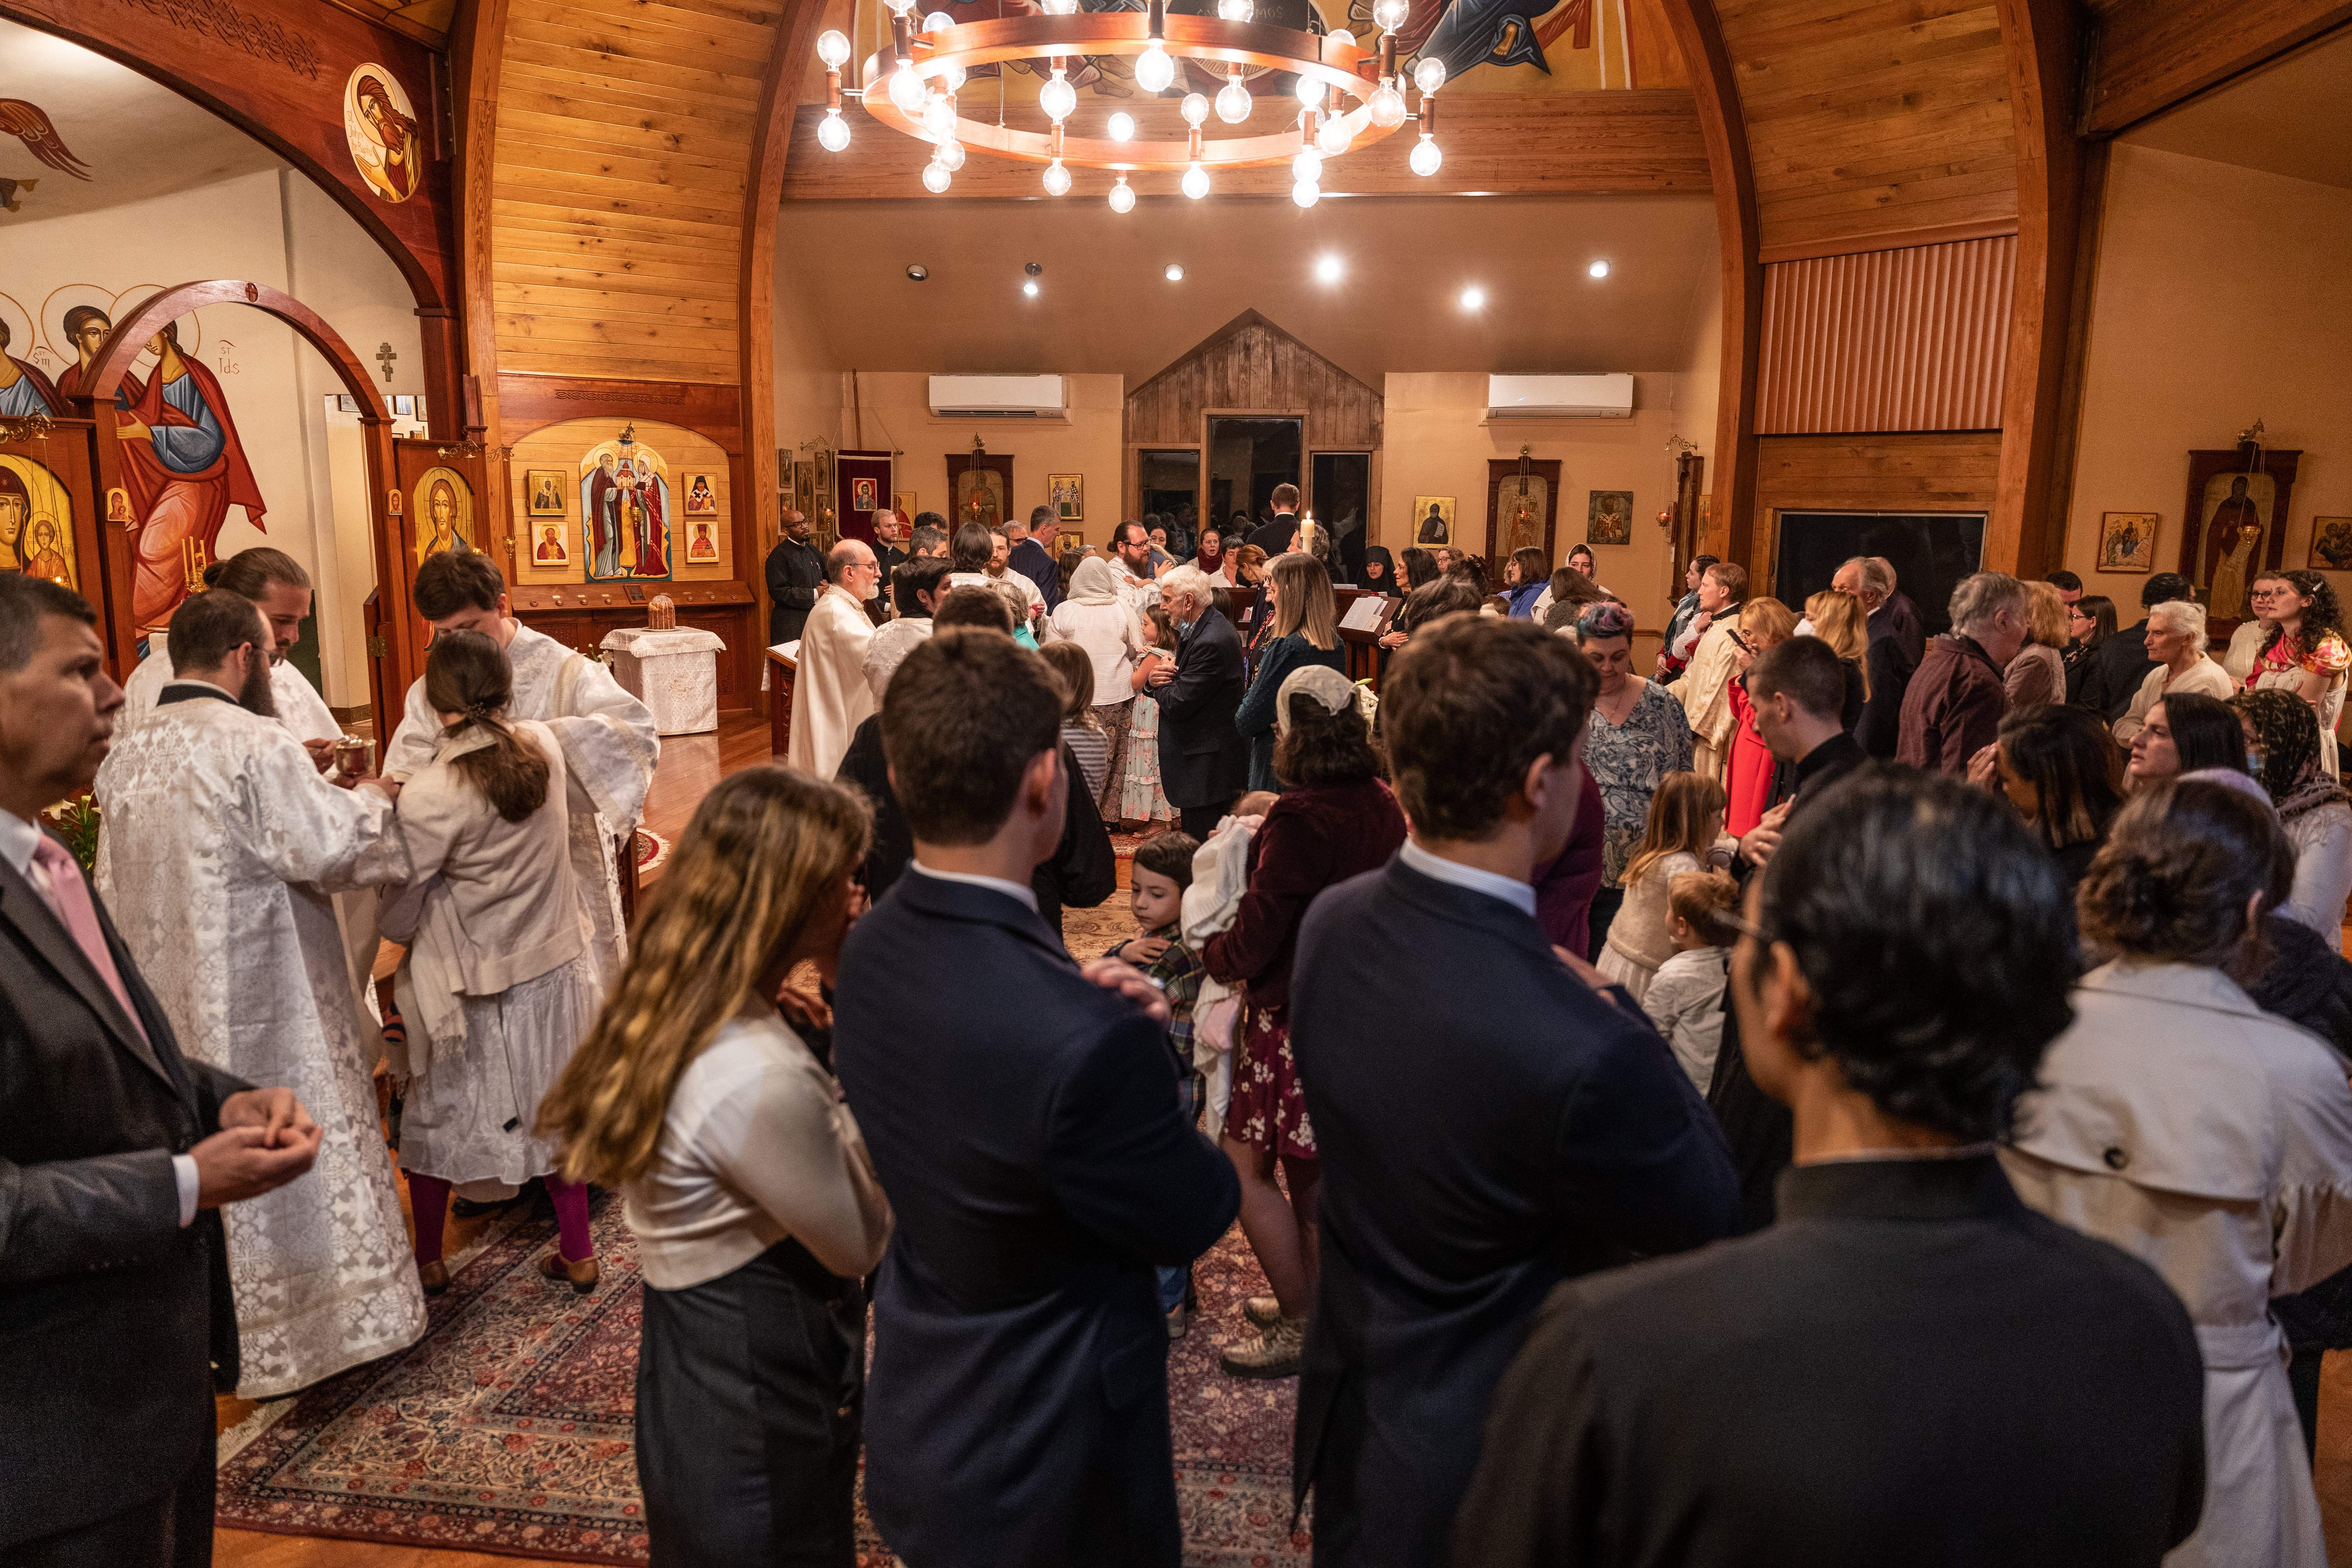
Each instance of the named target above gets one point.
<point>1837,1160</point>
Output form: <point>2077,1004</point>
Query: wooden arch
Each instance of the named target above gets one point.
<point>400,652</point>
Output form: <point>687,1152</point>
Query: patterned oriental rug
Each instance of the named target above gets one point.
<point>508,1427</point>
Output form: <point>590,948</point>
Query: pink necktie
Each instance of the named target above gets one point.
<point>70,895</point>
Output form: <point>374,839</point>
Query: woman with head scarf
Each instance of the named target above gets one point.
<point>2312,808</point>
<point>1380,570</point>
<point>1099,620</point>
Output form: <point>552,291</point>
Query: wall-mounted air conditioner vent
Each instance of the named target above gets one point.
<point>1559,397</point>
<point>997,396</point>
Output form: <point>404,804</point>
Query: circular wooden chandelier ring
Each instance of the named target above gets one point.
<point>1128,33</point>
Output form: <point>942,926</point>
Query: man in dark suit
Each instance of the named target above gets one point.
<point>796,577</point>
<point>1281,533</point>
<point>2119,665</point>
<point>1203,761</point>
<point>1477,1147</point>
<point>1914,1368</point>
<point>1033,552</point>
<point>1024,1120</point>
<point>1799,693</point>
<point>116,1323</point>
<point>1897,644</point>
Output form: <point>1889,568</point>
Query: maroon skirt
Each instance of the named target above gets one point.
<point>1267,1111</point>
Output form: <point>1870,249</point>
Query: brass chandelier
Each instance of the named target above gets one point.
<point>1348,95</point>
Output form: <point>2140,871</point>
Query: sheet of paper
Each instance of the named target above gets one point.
<point>1364,612</point>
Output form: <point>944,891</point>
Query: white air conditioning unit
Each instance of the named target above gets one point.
<point>998,396</point>
<point>1559,397</point>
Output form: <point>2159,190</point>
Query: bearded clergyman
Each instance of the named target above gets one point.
<point>223,845</point>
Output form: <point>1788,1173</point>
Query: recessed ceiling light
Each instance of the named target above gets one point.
<point>918,272</point>
<point>1473,299</point>
<point>1175,273</point>
<point>1329,269</point>
<point>1029,287</point>
<point>1599,269</point>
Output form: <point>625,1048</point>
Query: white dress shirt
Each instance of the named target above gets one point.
<point>18,839</point>
<point>1519,895</point>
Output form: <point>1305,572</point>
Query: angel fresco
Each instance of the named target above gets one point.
<point>380,124</point>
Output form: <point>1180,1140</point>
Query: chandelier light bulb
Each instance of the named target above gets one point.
<point>1196,181</point>
<point>950,156</point>
<point>952,79</point>
<point>1195,109</point>
<point>1308,167</point>
<point>940,118</point>
<point>1061,7</point>
<point>1311,91</point>
<point>1425,157</point>
<point>1154,70</point>
<point>901,8</point>
<point>1344,37</point>
<point>1234,103</point>
<point>1305,193</point>
<point>1058,98</point>
<point>1236,10</point>
<point>906,91</point>
<point>1430,74</point>
<point>1387,15</point>
<point>832,49</point>
<point>1387,105</point>
<point>1598,269</point>
<point>936,177</point>
<point>1334,138</point>
<point>832,134</point>
<point>1122,196</point>
<point>938,22</point>
<point>1058,179</point>
<point>1122,127</point>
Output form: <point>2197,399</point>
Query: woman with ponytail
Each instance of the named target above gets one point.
<point>2208,1139</point>
<point>499,984</point>
<point>754,1204</point>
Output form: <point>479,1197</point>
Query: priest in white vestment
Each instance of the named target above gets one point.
<point>222,847</point>
<point>829,697</point>
<point>1706,695</point>
<point>609,744</point>
<point>276,582</point>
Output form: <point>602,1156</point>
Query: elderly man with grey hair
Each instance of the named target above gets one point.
<point>1203,761</point>
<point>2176,646</point>
<point>1953,708</point>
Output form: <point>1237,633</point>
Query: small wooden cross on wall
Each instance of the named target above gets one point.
<point>384,356</point>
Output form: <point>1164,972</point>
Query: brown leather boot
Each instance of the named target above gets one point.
<point>583,1275</point>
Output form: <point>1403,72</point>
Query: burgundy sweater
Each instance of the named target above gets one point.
<point>1310,839</point>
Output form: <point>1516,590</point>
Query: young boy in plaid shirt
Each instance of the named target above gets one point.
<point>1162,870</point>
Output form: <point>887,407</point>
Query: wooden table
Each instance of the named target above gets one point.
<point>782,670</point>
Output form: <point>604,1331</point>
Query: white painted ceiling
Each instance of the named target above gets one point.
<point>2286,118</point>
<point>1105,306</point>
<point>134,138</point>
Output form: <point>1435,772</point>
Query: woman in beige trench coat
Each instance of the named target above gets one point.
<point>2205,1137</point>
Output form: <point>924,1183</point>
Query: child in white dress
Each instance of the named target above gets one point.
<point>1686,819</point>
<point>1685,996</point>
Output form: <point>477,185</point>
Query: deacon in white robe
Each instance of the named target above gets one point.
<point>829,697</point>
<point>222,845</point>
<point>301,709</point>
<point>610,747</point>
<point>1704,692</point>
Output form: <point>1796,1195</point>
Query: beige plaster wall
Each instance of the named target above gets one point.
<point>892,410</point>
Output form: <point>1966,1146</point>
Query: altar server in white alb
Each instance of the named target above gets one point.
<point>829,697</point>
<point>610,745</point>
<point>277,582</point>
<point>222,845</point>
<point>498,986</point>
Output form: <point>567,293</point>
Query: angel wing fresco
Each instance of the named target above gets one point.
<point>26,121</point>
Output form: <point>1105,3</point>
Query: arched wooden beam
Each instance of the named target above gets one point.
<point>94,401</point>
<point>2042,42</point>
<point>1698,31</point>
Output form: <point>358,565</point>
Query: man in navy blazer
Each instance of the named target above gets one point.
<point>1479,1145</point>
<point>1023,1116</point>
<point>1203,761</point>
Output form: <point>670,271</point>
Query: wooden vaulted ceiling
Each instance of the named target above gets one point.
<point>626,131</point>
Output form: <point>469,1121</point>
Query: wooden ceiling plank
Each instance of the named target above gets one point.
<point>614,53</point>
<point>675,30</point>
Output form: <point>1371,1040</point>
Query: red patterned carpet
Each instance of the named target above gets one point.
<point>508,1428</point>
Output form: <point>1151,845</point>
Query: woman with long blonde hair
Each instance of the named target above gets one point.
<point>1685,820</point>
<point>1840,621</point>
<point>754,1204</point>
<point>1305,631</point>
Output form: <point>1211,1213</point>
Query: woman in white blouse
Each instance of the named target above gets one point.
<point>1099,619</point>
<point>749,1191</point>
<point>2210,1139</point>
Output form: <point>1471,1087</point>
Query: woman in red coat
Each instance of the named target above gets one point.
<point>1336,820</point>
<point>1764,625</point>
